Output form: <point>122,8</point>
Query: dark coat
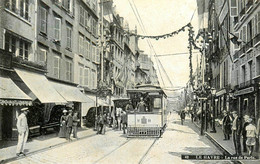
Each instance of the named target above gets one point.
<point>238,126</point>
<point>69,121</point>
<point>227,125</point>
<point>182,115</point>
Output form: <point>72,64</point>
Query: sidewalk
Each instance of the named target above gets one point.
<point>227,145</point>
<point>38,144</point>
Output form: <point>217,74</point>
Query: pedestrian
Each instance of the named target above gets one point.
<point>129,107</point>
<point>251,135</point>
<point>69,125</point>
<point>23,131</point>
<point>100,123</point>
<point>104,123</point>
<point>192,116</point>
<point>124,120</point>
<point>118,116</point>
<point>236,132</point>
<point>182,115</point>
<point>75,124</point>
<point>226,125</point>
<point>257,135</point>
<point>63,124</point>
<point>141,106</point>
<point>246,123</point>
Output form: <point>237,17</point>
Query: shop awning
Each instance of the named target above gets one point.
<point>40,87</point>
<point>70,93</point>
<point>11,94</point>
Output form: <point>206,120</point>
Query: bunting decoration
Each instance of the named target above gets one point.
<point>164,36</point>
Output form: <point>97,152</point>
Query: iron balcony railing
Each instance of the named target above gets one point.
<point>256,39</point>
<point>242,12</point>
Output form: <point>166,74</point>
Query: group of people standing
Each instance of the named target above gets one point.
<point>233,125</point>
<point>68,124</point>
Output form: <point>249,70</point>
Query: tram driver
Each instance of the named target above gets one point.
<point>141,106</point>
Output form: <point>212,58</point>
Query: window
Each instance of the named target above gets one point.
<point>87,49</point>
<point>20,7</point>
<point>93,58</point>
<point>42,55</point>
<point>86,75</point>
<point>10,43</point>
<point>23,50</point>
<point>89,22</point>
<point>90,51</point>
<point>243,74</point>
<point>24,9</point>
<point>43,20</point>
<point>93,77</point>
<point>249,31</point>
<point>81,15</point>
<point>244,39</point>
<point>69,35</point>
<point>56,66</point>
<point>68,71</point>
<point>81,75</point>
<point>86,19</point>
<point>250,70</point>
<point>94,26</point>
<point>57,28</point>
<point>157,103</point>
<point>257,18</point>
<point>233,8</point>
<point>81,47</point>
<point>258,66</point>
<point>98,55</point>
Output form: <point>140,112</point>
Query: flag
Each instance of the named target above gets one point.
<point>203,13</point>
<point>234,39</point>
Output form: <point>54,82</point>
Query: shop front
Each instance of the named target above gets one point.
<point>75,98</point>
<point>246,99</point>
<point>12,99</point>
<point>45,98</point>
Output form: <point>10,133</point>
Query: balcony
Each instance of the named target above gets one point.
<point>249,5</point>
<point>256,39</point>
<point>249,45</point>
<point>19,62</point>
<point>241,51</point>
<point>6,59</point>
<point>236,55</point>
<point>242,13</point>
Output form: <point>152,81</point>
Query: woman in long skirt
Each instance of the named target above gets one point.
<point>63,120</point>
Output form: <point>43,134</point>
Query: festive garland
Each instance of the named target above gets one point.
<point>191,41</point>
<point>164,36</point>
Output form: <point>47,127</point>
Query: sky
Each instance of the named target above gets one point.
<point>160,17</point>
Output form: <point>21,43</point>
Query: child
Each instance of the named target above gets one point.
<point>250,134</point>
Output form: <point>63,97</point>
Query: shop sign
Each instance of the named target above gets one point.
<point>244,91</point>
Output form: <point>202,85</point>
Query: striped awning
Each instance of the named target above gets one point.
<point>11,94</point>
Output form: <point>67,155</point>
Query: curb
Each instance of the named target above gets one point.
<point>219,146</point>
<point>47,148</point>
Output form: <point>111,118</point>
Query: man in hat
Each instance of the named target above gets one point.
<point>23,130</point>
<point>236,131</point>
<point>69,125</point>
<point>226,126</point>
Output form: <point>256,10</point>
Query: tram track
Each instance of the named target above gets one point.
<point>123,147</point>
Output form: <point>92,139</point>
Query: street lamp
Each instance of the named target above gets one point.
<point>213,92</point>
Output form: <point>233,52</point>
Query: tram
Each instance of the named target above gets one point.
<point>151,122</point>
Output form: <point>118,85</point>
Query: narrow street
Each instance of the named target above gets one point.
<point>114,147</point>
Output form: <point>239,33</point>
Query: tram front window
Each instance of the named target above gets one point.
<point>157,103</point>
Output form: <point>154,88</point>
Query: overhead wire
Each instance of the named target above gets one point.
<point>144,31</point>
<point>150,44</point>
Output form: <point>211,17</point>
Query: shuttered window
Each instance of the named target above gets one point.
<point>68,71</point>
<point>81,47</point>
<point>86,76</point>
<point>56,66</point>
<point>87,49</point>
<point>69,35</point>
<point>42,55</point>
<point>81,15</point>
<point>81,75</point>
<point>43,20</point>
<point>57,28</point>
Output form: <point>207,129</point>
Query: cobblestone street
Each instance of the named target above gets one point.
<point>114,147</point>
